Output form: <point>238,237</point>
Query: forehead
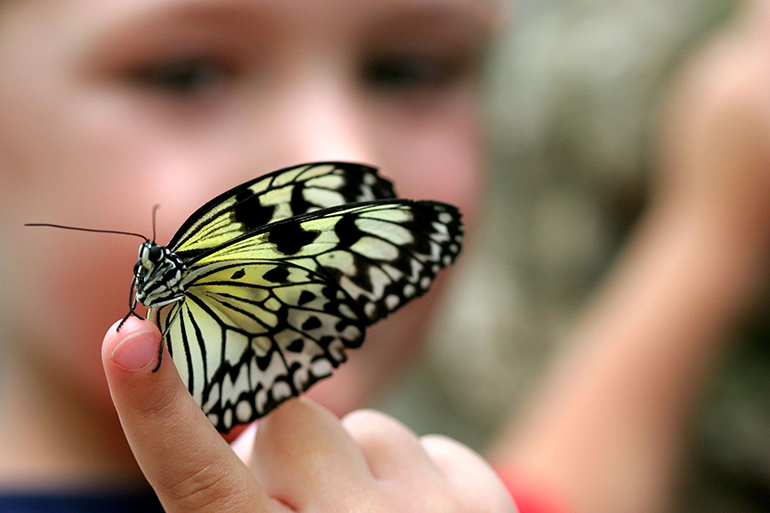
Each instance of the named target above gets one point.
<point>300,8</point>
<point>340,12</point>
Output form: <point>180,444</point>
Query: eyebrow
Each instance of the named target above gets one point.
<point>477,16</point>
<point>483,13</point>
<point>467,20</point>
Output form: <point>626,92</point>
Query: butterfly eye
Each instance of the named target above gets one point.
<point>154,254</point>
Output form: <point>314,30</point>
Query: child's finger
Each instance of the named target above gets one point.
<point>243,444</point>
<point>391,449</point>
<point>469,475</point>
<point>302,442</point>
<point>186,461</point>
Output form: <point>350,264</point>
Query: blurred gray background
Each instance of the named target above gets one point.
<point>573,98</point>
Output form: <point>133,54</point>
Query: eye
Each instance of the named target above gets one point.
<point>406,72</point>
<point>183,76</point>
<point>155,253</point>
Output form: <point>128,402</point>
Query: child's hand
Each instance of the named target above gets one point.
<point>304,458</point>
<point>716,131</point>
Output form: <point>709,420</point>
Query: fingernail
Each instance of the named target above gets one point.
<point>136,351</point>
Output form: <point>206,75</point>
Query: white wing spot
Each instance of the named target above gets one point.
<point>392,302</point>
<point>321,368</point>
<point>254,373</point>
<point>260,399</point>
<point>346,311</point>
<point>375,249</point>
<point>243,411</point>
<point>281,390</point>
<point>440,229</point>
<point>350,334</point>
<point>231,391</point>
<point>341,260</point>
<point>366,193</point>
<point>337,350</point>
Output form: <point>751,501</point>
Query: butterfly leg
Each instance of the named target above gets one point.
<point>131,305</point>
<point>163,336</point>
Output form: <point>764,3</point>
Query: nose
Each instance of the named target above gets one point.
<point>321,117</point>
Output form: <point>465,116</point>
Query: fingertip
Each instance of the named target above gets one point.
<point>469,473</point>
<point>131,345</point>
<point>304,442</point>
<point>389,446</point>
<point>186,461</point>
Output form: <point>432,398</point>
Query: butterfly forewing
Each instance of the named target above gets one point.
<point>254,333</point>
<point>381,253</point>
<point>279,195</point>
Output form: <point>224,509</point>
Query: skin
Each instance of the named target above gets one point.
<point>303,457</point>
<point>111,107</point>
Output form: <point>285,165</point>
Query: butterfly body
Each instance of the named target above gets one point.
<point>264,288</point>
<point>158,275</point>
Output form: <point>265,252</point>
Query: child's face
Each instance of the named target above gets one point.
<point>109,107</point>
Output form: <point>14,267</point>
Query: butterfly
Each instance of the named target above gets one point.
<point>263,289</point>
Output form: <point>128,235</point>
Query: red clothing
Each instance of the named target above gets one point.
<point>530,496</point>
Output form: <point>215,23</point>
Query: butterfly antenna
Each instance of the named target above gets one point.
<point>154,209</point>
<point>93,230</point>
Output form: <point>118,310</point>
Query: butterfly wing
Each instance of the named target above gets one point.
<point>273,311</point>
<point>279,195</point>
<point>382,253</point>
<point>251,334</point>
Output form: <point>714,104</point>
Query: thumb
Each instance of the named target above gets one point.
<point>183,457</point>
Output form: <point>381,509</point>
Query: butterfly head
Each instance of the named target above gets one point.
<point>158,273</point>
<point>150,254</point>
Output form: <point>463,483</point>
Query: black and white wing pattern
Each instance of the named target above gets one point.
<point>269,310</point>
<point>252,334</point>
<point>278,195</point>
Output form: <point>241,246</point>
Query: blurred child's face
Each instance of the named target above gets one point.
<point>108,107</point>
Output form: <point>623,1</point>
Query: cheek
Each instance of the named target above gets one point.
<point>68,287</point>
<point>66,296</point>
<point>436,155</point>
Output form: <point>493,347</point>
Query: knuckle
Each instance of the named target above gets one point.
<point>161,405</point>
<point>205,488</point>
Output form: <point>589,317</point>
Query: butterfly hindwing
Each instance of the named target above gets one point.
<point>279,195</point>
<point>251,334</point>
